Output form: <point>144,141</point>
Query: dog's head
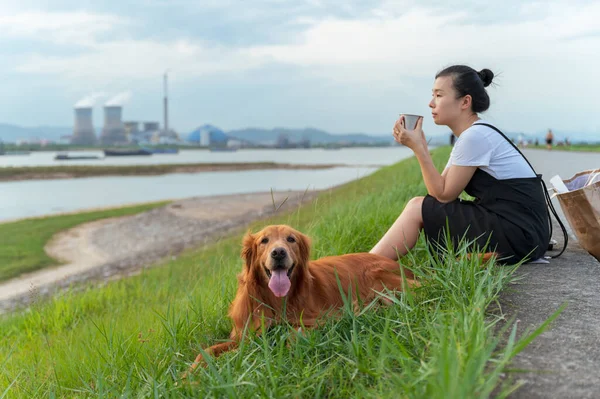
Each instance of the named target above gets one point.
<point>276,255</point>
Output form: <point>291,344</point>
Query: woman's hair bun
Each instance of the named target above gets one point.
<point>486,76</point>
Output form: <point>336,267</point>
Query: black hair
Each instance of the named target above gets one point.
<point>467,81</point>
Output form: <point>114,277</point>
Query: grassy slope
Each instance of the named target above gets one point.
<point>135,337</point>
<point>23,242</point>
<point>574,147</point>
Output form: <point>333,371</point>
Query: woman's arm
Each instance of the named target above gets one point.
<point>445,187</point>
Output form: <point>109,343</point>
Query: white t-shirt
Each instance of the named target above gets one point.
<point>485,148</point>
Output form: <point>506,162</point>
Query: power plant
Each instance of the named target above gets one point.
<point>113,131</point>
<point>83,131</point>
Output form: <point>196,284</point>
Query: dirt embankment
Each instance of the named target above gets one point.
<point>71,172</point>
<point>118,247</point>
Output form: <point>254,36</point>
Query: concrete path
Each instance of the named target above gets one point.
<point>564,362</point>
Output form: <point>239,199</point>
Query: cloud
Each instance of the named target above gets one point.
<point>384,44</point>
<point>422,37</point>
<point>126,60</point>
<point>67,28</point>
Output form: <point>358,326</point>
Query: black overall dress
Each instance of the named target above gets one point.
<point>509,216</point>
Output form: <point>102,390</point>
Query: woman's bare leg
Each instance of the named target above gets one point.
<point>403,234</point>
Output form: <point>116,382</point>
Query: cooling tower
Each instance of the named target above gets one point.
<point>113,131</point>
<point>83,131</point>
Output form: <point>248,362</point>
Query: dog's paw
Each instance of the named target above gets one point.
<point>185,378</point>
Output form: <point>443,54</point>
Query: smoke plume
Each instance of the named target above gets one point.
<point>90,100</point>
<point>119,99</point>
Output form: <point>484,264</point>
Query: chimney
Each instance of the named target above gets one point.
<point>166,106</point>
<point>114,130</point>
<point>83,131</point>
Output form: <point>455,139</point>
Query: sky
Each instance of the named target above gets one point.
<point>344,66</point>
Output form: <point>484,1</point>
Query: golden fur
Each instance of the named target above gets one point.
<point>311,288</point>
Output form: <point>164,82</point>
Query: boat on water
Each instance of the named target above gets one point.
<point>162,150</point>
<point>67,157</point>
<point>124,152</point>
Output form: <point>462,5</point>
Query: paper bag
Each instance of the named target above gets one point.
<point>581,206</point>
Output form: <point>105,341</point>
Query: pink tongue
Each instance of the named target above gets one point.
<point>279,283</point>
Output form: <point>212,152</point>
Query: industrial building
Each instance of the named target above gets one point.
<point>113,132</point>
<point>207,135</point>
<point>145,136</point>
<point>117,132</point>
<point>83,130</point>
<point>131,127</point>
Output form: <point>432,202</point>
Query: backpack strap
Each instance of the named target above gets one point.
<point>546,194</point>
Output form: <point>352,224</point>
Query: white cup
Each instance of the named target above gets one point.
<point>410,121</point>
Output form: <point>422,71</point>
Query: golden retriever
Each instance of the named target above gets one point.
<point>277,270</point>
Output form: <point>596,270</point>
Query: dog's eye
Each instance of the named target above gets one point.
<point>264,240</point>
<point>291,239</point>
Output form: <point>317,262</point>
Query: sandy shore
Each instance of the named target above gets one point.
<point>119,247</point>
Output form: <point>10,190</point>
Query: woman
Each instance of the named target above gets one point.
<point>509,213</point>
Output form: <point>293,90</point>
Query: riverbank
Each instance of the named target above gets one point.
<point>118,246</point>
<point>23,241</point>
<point>79,171</point>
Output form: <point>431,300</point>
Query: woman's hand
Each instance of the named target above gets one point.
<point>413,139</point>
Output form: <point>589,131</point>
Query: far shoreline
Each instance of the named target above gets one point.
<point>10,174</point>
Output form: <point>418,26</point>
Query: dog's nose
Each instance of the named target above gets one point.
<point>278,253</point>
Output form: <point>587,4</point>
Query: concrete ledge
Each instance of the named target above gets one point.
<point>564,361</point>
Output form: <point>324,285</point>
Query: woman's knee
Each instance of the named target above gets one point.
<point>415,206</point>
<point>415,203</point>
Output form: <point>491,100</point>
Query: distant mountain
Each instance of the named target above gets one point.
<point>12,133</point>
<point>316,136</point>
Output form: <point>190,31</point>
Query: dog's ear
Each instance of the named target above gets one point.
<point>248,249</point>
<point>304,247</point>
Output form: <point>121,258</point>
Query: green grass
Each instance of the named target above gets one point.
<point>573,147</point>
<point>22,248</point>
<point>135,337</point>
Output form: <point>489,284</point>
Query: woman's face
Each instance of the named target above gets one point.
<point>445,107</point>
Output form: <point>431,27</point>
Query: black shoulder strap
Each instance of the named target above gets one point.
<point>509,141</point>
<point>548,199</point>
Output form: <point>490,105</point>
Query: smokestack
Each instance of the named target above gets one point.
<point>166,106</point>
<point>114,130</point>
<point>83,131</point>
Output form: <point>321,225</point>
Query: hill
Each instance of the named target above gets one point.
<point>316,136</point>
<point>13,133</point>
